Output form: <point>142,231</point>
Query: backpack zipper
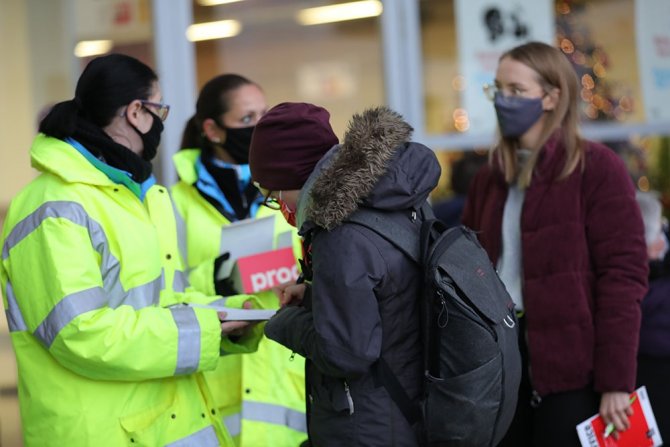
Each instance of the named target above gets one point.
<point>442,323</point>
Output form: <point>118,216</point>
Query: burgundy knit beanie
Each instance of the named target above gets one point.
<point>287,143</point>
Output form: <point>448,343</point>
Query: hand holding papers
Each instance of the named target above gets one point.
<point>234,314</point>
<point>237,327</point>
<point>256,263</point>
<point>643,431</point>
<point>290,294</point>
<point>264,271</point>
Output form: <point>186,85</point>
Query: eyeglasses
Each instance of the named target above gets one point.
<point>159,109</point>
<point>268,200</point>
<point>490,91</point>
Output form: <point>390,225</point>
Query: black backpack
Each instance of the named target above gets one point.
<point>472,362</point>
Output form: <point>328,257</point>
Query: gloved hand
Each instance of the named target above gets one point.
<point>225,287</point>
<point>223,284</point>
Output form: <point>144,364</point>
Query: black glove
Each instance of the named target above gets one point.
<point>224,286</point>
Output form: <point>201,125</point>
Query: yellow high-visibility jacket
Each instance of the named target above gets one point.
<point>93,289</point>
<point>261,395</point>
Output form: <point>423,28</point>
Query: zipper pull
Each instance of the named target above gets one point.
<point>443,316</point>
<point>349,399</point>
<point>535,399</point>
<point>290,359</point>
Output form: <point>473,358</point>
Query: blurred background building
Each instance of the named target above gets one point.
<point>427,59</point>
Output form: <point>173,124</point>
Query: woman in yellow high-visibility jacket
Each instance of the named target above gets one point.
<point>108,351</point>
<point>261,396</point>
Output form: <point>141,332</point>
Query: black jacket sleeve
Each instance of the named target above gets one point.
<point>342,334</point>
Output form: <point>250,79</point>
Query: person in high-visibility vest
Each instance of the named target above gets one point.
<point>261,396</point>
<point>109,340</point>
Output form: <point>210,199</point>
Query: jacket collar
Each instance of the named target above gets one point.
<point>75,164</point>
<point>185,163</point>
<point>48,154</point>
<point>552,158</point>
<point>549,163</point>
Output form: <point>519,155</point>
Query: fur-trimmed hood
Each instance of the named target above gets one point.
<point>376,166</point>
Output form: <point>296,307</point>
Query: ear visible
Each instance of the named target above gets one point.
<point>133,113</point>
<point>550,101</point>
<point>212,131</point>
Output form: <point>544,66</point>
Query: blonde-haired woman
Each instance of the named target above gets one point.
<point>557,216</point>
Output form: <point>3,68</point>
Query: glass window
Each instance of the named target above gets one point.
<point>598,36</point>
<point>599,39</point>
<point>443,82</point>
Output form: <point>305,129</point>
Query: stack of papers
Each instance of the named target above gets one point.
<point>234,314</point>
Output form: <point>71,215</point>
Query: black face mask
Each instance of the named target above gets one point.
<point>152,138</point>
<point>237,143</point>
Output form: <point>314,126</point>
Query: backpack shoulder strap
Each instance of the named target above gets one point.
<point>408,239</point>
<point>395,231</point>
<point>384,375</point>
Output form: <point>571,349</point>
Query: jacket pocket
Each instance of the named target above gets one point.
<point>333,394</point>
<point>150,427</point>
<point>463,410</point>
<point>147,428</point>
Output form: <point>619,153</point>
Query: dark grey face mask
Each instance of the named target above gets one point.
<point>516,114</point>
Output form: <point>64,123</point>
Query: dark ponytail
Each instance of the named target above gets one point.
<point>106,84</point>
<point>192,136</point>
<point>61,120</point>
<point>213,101</point>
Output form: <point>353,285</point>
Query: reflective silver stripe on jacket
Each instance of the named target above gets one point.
<point>138,297</point>
<point>274,414</point>
<point>219,302</point>
<point>203,438</point>
<point>180,281</point>
<point>71,211</point>
<point>67,310</point>
<point>234,424</point>
<point>182,240</point>
<point>267,413</point>
<point>14,318</point>
<point>188,348</point>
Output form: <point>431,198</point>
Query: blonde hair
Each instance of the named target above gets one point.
<point>555,71</point>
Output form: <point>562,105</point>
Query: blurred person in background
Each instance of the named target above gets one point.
<point>557,216</point>
<point>92,280</point>
<point>653,361</point>
<point>463,171</point>
<point>260,396</point>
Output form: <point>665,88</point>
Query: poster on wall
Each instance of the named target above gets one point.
<point>120,20</point>
<point>485,30</point>
<point>653,50</point>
